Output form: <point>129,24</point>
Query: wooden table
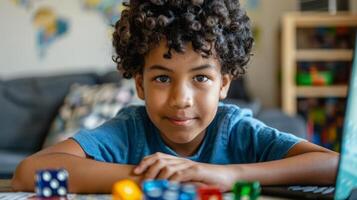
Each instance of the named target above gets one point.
<point>5,186</point>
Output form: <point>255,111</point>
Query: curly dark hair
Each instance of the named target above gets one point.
<point>205,23</point>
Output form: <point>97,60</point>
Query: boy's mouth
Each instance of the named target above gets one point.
<point>180,121</point>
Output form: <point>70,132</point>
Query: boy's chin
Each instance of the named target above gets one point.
<point>181,140</point>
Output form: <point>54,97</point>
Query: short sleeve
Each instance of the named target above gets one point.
<point>253,141</point>
<point>109,142</point>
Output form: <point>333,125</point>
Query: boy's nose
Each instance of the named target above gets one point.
<point>181,97</point>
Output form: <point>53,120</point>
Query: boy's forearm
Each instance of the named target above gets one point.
<point>308,168</point>
<point>85,175</point>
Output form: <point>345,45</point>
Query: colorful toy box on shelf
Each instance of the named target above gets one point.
<point>325,37</point>
<point>323,73</point>
<point>324,120</point>
<point>315,77</point>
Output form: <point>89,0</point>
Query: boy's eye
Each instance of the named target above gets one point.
<point>162,79</point>
<point>200,78</point>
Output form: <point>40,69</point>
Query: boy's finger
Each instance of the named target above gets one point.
<point>184,175</point>
<point>145,163</point>
<point>155,169</point>
<point>149,160</point>
<point>167,172</point>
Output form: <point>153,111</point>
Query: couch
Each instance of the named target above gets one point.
<point>29,106</point>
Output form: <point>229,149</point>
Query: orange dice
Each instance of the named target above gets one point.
<point>126,190</point>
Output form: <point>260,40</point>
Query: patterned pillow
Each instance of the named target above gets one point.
<point>89,106</point>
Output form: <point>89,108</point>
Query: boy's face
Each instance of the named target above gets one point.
<point>181,94</point>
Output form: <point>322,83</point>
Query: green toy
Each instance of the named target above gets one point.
<point>246,190</point>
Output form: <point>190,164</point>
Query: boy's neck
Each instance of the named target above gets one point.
<point>185,149</point>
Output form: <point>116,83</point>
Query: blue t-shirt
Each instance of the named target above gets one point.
<point>233,137</point>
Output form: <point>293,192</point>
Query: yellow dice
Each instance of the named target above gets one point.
<point>126,190</point>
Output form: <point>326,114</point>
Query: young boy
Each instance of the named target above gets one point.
<point>183,55</point>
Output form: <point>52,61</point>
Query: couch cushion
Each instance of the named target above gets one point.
<point>9,161</point>
<point>277,119</point>
<point>28,105</point>
<point>238,90</point>
<point>88,106</point>
<point>110,77</point>
<point>254,106</point>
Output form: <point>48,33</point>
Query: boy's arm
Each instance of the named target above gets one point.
<point>85,175</point>
<point>305,163</point>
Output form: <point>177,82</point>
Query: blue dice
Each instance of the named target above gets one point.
<point>188,192</point>
<point>51,183</point>
<point>154,189</point>
<point>165,190</point>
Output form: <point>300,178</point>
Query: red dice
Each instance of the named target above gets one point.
<point>210,193</point>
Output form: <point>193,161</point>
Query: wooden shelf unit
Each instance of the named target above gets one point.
<point>324,55</point>
<point>291,55</point>
<point>321,91</point>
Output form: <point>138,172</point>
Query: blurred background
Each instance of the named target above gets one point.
<point>57,73</point>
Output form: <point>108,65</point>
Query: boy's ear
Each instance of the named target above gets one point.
<point>226,82</point>
<point>139,86</point>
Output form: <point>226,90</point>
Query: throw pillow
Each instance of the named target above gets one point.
<point>89,106</point>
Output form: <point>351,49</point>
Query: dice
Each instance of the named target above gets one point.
<point>188,192</point>
<point>51,183</point>
<point>210,193</point>
<point>126,190</point>
<point>154,189</point>
<point>165,190</point>
<point>246,190</point>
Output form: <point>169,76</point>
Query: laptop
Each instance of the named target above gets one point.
<point>346,182</point>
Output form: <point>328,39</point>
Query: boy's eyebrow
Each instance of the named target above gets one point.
<point>201,67</point>
<point>160,67</point>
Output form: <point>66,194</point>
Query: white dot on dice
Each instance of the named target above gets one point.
<point>61,191</point>
<point>156,192</point>
<point>47,192</point>
<point>54,184</point>
<point>46,176</point>
<point>170,195</point>
<point>174,186</point>
<point>61,176</point>
<point>188,188</point>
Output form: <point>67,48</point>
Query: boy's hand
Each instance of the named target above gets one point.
<point>164,166</point>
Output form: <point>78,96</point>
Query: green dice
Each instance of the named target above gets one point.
<point>246,190</point>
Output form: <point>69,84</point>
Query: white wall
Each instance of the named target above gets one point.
<point>353,5</point>
<point>85,46</point>
<point>262,76</point>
